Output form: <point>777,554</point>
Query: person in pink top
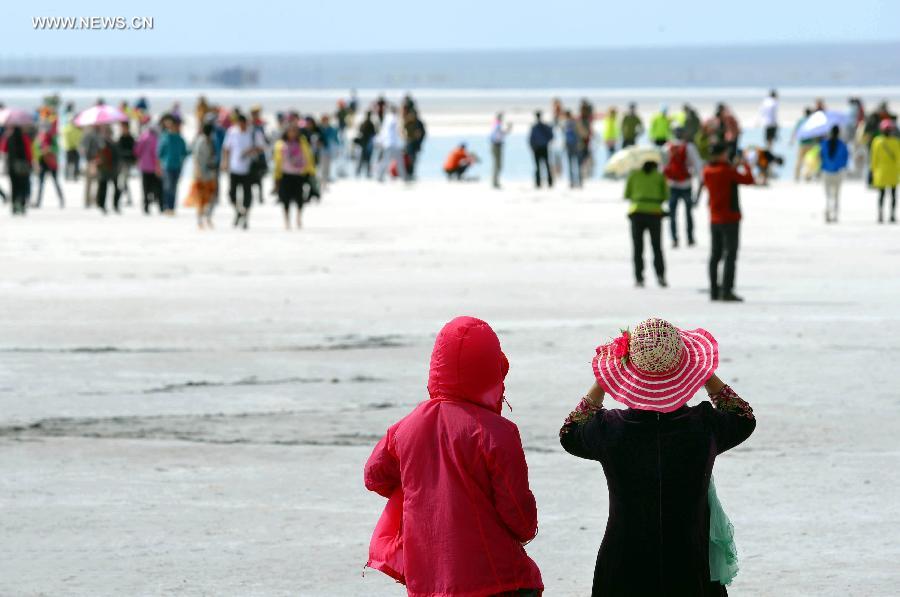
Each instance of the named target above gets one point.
<point>147,162</point>
<point>459,505</point>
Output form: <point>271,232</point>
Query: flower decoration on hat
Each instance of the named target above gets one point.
<point>621,347</point>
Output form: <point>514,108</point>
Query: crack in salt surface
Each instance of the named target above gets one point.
<point>337,343</point>
<point>264,428</point>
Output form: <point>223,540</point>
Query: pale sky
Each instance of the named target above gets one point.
<point>315,27</point>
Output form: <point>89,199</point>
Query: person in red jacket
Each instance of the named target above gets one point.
<point>721,179</point>
<point>459,505</point>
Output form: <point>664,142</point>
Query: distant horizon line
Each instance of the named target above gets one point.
<point>497,50</point>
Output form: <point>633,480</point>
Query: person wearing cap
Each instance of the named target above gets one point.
<point>721,179</point>
<point>662,536</point>
<point>458,162</point>
<point>459,509</point>
<point>647,189</point>
<point>660,127</point>
<point>885,166</point>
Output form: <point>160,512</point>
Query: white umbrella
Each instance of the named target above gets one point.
<point>100,115</point>
<point>15,117</point>
<point>631,158</point>
<point>820,123</point>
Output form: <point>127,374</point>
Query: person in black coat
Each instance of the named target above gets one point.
<point>657,456</point>
<point>539,140</point>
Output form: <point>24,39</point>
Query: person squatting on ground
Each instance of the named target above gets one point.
<point>666,533</point>
<point>458,161</point>
<point>647,189</point>
<point>721,179</point>
<point>459,507</point>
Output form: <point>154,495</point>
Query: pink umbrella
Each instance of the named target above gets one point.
<point>15,117</point>
<point>100,115</point>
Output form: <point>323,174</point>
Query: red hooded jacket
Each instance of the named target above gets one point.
<point>459,508</point>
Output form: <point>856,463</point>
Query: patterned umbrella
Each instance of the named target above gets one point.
<point>100,115</point>
<point>631,158</point>
<point>15,117</point>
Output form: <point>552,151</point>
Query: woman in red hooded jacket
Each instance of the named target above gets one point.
<point>459,506</point>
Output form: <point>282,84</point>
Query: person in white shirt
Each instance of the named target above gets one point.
<point>239,149</point>
<point>391,144</point>
<point>498,136</point>
<point>768,116</point>
<point>682,164</point>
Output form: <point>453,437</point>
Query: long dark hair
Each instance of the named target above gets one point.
<point>833,139</point>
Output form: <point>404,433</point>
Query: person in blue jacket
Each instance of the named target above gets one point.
<point>834,155</point>
<point>171,151</point>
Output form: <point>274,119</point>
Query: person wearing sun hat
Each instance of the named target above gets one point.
<point>665,534</point>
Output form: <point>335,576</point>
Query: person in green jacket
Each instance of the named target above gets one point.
<point>647,189</point>
<point>610,131</point>
<point>660,127</point>
<point>632,127</point>
<point>71,139</point>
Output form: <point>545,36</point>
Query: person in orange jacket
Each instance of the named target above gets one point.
<point>458,162</point>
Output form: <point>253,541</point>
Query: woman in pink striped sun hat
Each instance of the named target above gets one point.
<point>667,533</point>
<point>657,366</point>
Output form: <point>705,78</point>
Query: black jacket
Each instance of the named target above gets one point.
<point>657,468</point>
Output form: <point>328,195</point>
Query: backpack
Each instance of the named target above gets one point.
<point>677,169</point>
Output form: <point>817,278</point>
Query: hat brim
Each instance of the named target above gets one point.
<point>663,392</point>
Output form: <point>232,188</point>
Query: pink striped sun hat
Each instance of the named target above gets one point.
<point>656,367</point>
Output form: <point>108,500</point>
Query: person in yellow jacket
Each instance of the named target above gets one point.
<point>294,171</point>
<point>71,141</point>
<point>610,131</point>
<point>661,127</point>
<point>885,165</point>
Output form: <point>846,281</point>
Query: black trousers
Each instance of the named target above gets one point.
<point>881,194</point>
<point>72,164</point>
<point>245,182</point>
<point>103,182</point>
<point>151,186</point>
<point>653,224</point>
<point>541,157</point>
<point>725,239</point>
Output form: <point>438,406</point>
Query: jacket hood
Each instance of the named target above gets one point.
<point>467,364</point>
